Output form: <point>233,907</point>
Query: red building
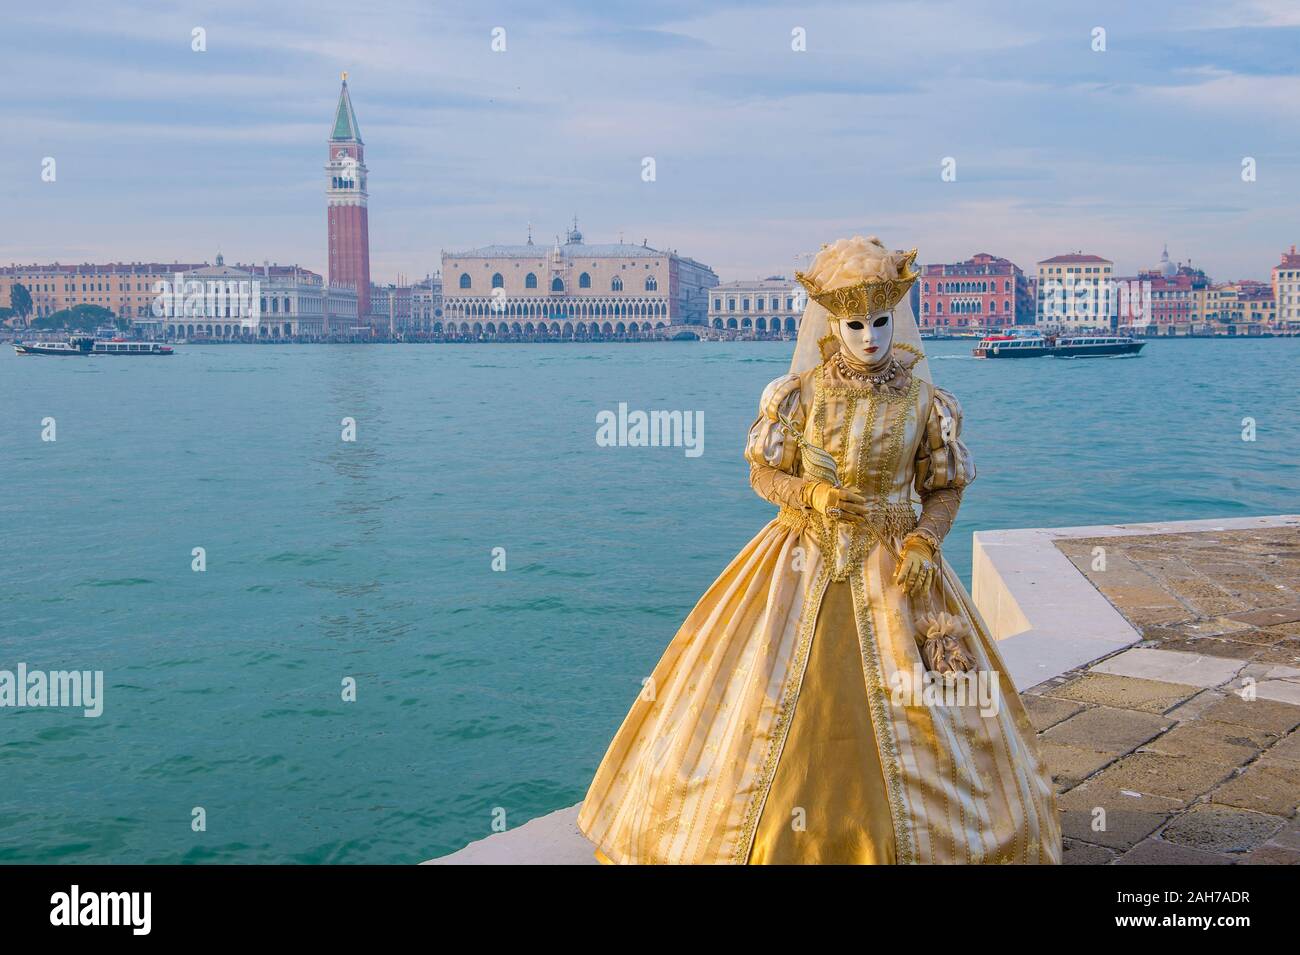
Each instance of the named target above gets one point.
<point>983,291</point>
<point>349,222</point>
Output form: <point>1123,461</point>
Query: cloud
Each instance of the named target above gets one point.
<point>761,150</point>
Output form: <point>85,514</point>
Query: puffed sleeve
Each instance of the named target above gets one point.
<point>768,443</point>
<point>943,460</point>
<point>772,452</point>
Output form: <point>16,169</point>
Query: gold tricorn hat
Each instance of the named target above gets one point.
<point>865,297</point>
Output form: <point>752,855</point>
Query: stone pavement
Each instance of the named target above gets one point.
<point>1183,749</point>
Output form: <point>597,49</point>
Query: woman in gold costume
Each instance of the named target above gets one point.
<point>783,722</point>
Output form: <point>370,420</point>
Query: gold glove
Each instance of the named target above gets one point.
<point>917,566</point>
<point>838,503</point>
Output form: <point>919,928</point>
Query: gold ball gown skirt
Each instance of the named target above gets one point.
<point>772,730</point>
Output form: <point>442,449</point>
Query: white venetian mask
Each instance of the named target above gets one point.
<point>868,338</point>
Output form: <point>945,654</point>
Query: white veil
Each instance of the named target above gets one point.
<point>816,325</point>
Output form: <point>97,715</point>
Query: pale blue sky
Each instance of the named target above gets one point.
<point>762,153</point>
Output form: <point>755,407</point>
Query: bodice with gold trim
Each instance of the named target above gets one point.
<point>872,432</point>
<point>887,440</point>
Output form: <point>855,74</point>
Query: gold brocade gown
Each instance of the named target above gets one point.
<point>770,730</point>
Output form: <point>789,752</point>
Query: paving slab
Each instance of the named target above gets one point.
<point>1111,821</point>
<point>1285,651</point>
<point>1287,748</point>
<point>1217,828</point>
<point>1047,711</point>
<point>1279,690</point>
<point>1174,777</point>
<point>1108,729</point>
<point>1289,836</point>
<point>1169,666</point>
<point>1269,854</point>
<point>1081,853</point>
<point>1155,852</point>
<point>1271,716</point>
<point>1228,744</point>
<point>1268,616</point>
<point>1128,693</point>
<point>1210,647</point>
<point>1193,708</point>
<point>1266,785</point>
<point>1070,765</point>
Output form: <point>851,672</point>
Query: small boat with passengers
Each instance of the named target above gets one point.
<point>120,346</point>
<point>86,345</point>
<point>1096,346</point>
<point>1012,344</point>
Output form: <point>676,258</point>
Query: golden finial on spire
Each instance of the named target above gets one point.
<point>345,76</point>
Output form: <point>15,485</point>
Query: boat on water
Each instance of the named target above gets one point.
<point>119,346</point>
<point>1096,346</point>
<point>1013,346</point>
<point>81,345</point>
<point>1036,345</point>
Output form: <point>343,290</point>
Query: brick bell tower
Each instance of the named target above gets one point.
<point>349,221</point>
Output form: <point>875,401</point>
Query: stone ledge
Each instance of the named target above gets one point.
<point>1046,615</point>
<point>552,839</point>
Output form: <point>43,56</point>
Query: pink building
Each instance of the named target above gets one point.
<point>983,291</point>
<point>349,221</point>
<point>1173,297</point>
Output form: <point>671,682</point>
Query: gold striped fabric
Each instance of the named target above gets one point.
<point>687,776</point>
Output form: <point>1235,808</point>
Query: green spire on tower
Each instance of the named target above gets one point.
<point>346,129</point>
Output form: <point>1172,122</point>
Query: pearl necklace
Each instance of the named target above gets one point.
<point>879,378</point>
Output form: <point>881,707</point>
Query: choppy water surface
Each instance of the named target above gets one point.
<point>373,560</point>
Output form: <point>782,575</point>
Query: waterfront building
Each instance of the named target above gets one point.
<point>570,290</point>
<point>984,291</point>
<point>1257,307</point>
<point>764,307</point>
<point>1075,293</point>
<point>1245,307</point>
<point>1173,300</point>
<point>390,308</point>
<point>291,302</point>
<point>124,288</point>
<point>347,213</point>
<point>1286,291</point>
<point>426,304</point>
<point>1161,301</point>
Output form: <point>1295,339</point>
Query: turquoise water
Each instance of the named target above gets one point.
<point>477,690</point>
